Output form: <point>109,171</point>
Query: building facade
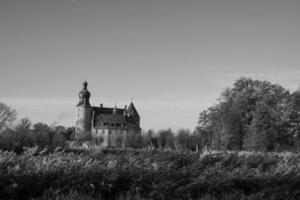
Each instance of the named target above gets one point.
<point>104,126</point>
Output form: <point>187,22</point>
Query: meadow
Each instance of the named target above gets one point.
<point>149,174</point>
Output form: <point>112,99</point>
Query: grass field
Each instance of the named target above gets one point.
<point>149,175</point>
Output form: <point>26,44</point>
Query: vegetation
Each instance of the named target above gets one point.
<point>41,135</point>
<point>149,175</point>
<point>252,115</point>
<point>7,116</point>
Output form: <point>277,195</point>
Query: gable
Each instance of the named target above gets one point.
<point>132,111</point>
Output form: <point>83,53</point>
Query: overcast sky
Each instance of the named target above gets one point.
<point>172,57</point>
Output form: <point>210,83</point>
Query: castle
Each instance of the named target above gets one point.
<point>104,126</point>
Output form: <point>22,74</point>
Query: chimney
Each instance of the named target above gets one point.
<point>115,110</point>
<point>125,110</point>
<point>101,105</point>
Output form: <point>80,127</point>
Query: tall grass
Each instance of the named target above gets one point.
<point>149,175</point>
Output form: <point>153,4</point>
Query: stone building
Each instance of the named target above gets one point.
<point>104,126</point>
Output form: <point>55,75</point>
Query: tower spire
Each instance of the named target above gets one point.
<point>85,84</point>
<point>84,95</point>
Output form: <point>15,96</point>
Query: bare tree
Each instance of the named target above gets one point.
<point>7,116</point>
<point>24,124</point>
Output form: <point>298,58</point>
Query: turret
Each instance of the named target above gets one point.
<point>84,96</point>
<point>83,114</point>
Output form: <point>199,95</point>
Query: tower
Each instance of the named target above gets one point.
<point>83,115</point>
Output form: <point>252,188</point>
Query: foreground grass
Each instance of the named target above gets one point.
<point>149,175</point>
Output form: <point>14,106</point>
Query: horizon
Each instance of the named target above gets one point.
<point>173,58</point>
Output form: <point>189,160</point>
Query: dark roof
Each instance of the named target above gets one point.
<point>132,111</point>
<point>108,118</point>
<point>105,110</point>
<point>105,115</point>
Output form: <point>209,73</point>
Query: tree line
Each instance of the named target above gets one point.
<point>17,135</point>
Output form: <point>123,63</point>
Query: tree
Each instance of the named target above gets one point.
<point>69,133</point>
<point>134,140</point>
<point>151,139</point>
<point>294,115</point>
<point>204,129</point>
<point>23,137</point>
<point>7,116</point>
<point>41,127</point>
<point>42,134</point>
<point>183,139</point>
<point>294,118</point>
<point>60,136</point>
<point>227,124</point>
<point>58,140</point>
<point>24,124</point>
<point>166,138</point>
<point>196,140</point>
<point>147,137</point>
<point>267,131</point>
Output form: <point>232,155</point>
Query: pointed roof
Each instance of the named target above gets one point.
<point>132,111</point>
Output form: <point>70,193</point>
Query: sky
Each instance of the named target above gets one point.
<point>172,58</point>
